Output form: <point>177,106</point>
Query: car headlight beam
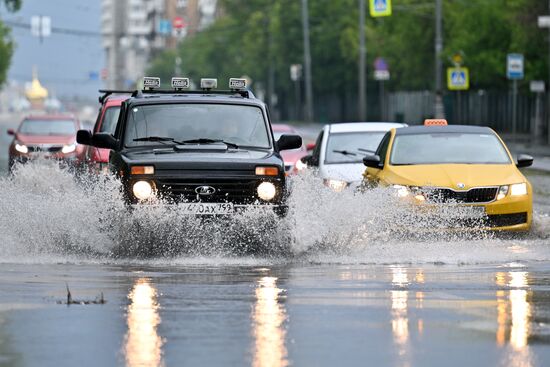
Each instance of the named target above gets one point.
<point>266,191</point>
<point>21,148</point>
<point>142,190</point>
<point>69,148</point>
<point>336,185</point>
<point>402,191</point>
<point>518,189</point>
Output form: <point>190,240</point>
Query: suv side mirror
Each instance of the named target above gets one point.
<point>11,132</point>
<point>84,137</point>
<point>289,141</point>
<point>524,160</point>
<point>373,161</point>
<point>104,140</point>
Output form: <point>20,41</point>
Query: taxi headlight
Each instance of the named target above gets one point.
<point>21,148</point>
<point>68,148</point>
<point>336,185</point>
<point>502,192</point>
<point>402,191</point>
<point>142,190</point>
<point>518,189</point>
<point>266,191</point>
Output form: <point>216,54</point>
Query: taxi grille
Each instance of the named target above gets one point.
<point>475,195</point>
<point>238,191</point>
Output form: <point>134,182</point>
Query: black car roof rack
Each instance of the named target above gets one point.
<point>107,92</point>
<point>242,93</point>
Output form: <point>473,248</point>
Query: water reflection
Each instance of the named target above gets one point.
<point>268,318</point>
<point>143,344</point>
<point>513,317</point>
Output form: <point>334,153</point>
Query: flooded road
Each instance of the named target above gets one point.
<point>347,285</point>
<point>276,315</point>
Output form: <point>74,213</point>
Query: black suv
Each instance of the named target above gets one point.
<point>211,151</point>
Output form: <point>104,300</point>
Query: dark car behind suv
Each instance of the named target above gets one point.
<point>211,151</point>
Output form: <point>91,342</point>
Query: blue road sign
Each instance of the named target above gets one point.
<point>165,27</point>
<point>514,66</point>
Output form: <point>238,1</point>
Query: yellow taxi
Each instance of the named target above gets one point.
<point>438,164</point>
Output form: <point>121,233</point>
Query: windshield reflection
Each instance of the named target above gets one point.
<point>143,344</point>
<point>268,319</point>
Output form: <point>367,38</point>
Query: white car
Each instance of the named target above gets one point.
<point>340,148</point>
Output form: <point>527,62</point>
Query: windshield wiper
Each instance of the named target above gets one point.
<point>366,150</point>
<point>209,141</point>
<point>344,152</point>
<point>160,139</point>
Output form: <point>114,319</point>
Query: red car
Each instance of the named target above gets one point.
<point>46,136</point>
<point>106,123</point>
<point>290,156</point>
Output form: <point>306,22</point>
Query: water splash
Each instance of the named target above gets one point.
<point>46,215</point>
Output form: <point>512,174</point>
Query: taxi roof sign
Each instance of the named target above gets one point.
<point>435,122</point>
<point>151,82</point>
<point>180,83</point>
<point>209,83</point>
<point>237,83</point>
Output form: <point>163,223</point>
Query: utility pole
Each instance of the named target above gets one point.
<point>362,60</point>
<point>438,105</point>
<point>307,62</point>
<point>548,85</point>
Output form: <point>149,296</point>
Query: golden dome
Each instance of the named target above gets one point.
<point>36,91</point>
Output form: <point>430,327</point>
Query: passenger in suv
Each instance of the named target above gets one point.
<point>212,151</point>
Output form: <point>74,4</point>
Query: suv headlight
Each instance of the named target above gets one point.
<point>142,190</point>
<point>336,185</point>
<point>518,189</point>
<point>266,191</point>
<point>21,148</point>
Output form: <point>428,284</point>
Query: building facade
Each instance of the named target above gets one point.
<point>135,31</point>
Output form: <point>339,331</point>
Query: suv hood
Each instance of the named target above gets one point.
<point>228,159</point>
<point>449,175</point>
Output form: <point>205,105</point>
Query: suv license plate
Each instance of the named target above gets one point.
<point>208,208</point>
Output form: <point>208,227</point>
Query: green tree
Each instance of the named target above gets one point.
<point>6,42</point>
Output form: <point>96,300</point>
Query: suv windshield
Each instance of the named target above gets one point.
<point>445,148</point>
<point>352,147</point>
<point>237,124</point>
<point>47,127</point>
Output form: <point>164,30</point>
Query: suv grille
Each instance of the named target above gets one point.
<point>238,191</point>
<point>475,195</point>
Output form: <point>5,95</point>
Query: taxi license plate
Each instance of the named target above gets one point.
<point>479,210</point>
<point>208,208</point>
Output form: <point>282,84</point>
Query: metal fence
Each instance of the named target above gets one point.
<point>488,108</point>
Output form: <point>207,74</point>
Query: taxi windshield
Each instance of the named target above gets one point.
<point>352,147</point>
<point>237,124</point>
<point>47,127</point>
<point>448,148</point>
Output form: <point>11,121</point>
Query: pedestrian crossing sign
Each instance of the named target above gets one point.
<point>380,8</point>
<point>458,79</point>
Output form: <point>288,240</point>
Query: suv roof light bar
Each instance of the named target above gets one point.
<point>241,93</point>
<point>208,84</point>
<point>151,82</point>
<point>180,83</point>
<point>237,83</point>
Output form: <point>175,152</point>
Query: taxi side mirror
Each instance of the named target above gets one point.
<point>84,137</point>
<point>104,141</point>
<point>524,160</point>
<point>373,161</point>
<point>289,141</point>
<point>11,132</point>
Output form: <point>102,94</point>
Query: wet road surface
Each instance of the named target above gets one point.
<point>276,315</point>
<point>375,300</point>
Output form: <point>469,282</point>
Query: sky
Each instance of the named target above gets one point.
<point>64,62</point>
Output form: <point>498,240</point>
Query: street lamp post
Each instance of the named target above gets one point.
<point>362,61</point>
<point>307,62</point>
<point>438,103</point>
